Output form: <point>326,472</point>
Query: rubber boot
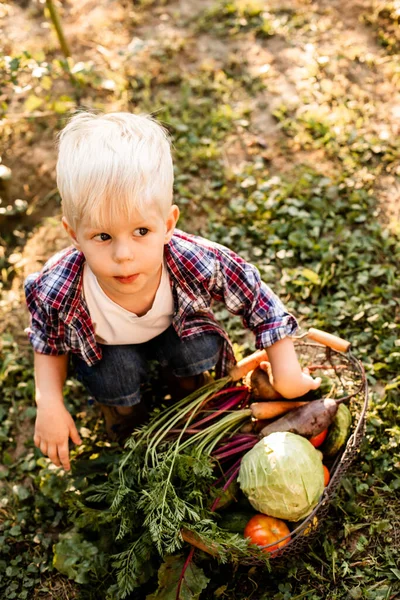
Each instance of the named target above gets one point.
<point>180,387</point>
<point>120,426</point>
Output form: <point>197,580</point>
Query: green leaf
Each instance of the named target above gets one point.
<point>14,64</point>
<point>396,572</point>
<point>62,106</point>
<point>21,491</point>
<point>311,276</point>
<point>32,103</point>
<point>46,82</point>
<point>7,459</point>
<point>193,583</point>
<point>29,412</point>
<point>74,556</point>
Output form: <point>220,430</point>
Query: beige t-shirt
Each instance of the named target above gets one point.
<point>115,325</point>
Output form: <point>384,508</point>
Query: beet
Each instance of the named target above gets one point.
<point>308,420</point>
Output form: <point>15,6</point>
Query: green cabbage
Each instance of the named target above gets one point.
<point>282,476</point>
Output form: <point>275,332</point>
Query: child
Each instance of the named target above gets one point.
<point>132,288</point>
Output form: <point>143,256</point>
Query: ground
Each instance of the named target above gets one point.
<point>273,107</point>
<point>114,35</point>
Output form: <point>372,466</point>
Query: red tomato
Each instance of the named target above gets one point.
<point>263,530</point>
<point>327,475</point>
<point>318,439</point>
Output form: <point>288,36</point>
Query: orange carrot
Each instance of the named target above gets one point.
<point>247,364</point>
<point>270,410</point>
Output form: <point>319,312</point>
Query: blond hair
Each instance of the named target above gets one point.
<point>111,165</point>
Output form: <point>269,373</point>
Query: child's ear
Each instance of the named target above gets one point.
<point>71,233</point>
<point>171,222</point>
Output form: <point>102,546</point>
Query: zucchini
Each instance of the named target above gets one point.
<point>338,432</point>
<point>235,522</point>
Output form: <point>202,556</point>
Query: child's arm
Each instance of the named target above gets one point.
<point>287,377</point>
<point>54,425</point>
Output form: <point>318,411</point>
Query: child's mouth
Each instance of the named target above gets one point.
<point>129,279</point>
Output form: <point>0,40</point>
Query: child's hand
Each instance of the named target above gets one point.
<point>285,372</point>
<point>53,428</point>
<point>297,385</point>
<point>309,383</point>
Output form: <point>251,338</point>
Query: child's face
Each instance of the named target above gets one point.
<point>127,256</point>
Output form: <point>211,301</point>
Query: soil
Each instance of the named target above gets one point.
<point>103,32</point>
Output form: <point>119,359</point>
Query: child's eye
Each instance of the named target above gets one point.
<point>141,231</point>
<point>103,237</point>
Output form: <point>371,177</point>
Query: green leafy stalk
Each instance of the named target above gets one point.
<point>161,424</point>
<point>209,439</point>
<point>55,18</point>
<point>133,565</point>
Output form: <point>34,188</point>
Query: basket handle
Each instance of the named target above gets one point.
<point>251,362</point>
<point>328,339</point>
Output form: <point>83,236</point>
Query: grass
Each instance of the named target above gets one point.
<point>316,229</point>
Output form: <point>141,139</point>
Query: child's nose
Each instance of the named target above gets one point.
<point>122,252</point>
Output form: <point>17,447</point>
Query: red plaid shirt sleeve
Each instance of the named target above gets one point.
<point>46,331</point>
<point>238,284</point>
<point>235,282</point>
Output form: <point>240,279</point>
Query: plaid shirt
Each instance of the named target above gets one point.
<point>200,271</point>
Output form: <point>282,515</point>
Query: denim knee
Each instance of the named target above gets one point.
<point>188,356</point>
<point>114,380</point>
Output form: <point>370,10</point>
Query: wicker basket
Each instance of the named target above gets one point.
<point>350,385</point>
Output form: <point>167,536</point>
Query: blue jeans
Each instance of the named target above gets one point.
<point>115,380</point>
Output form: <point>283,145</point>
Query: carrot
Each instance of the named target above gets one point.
<point>247,364</point>
<point>307,420</point>
<point>270,410</point>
